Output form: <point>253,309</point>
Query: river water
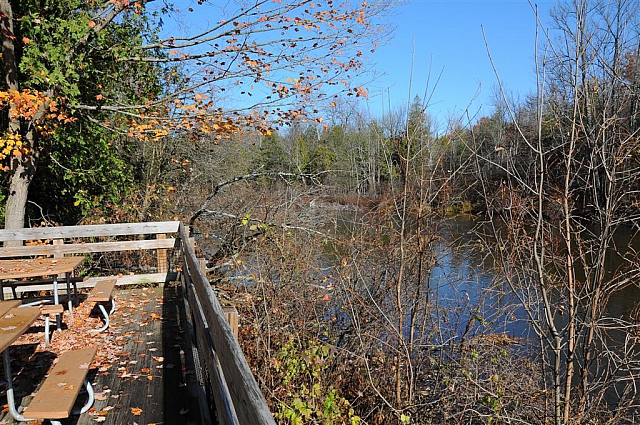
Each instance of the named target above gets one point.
<point>463,282</point>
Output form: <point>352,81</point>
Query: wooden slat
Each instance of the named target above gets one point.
<point>102,291</point>
<point>135,279</point>
<point>23,251</point>
<point>249,402</point>
<point>93,230</point>
<point>52,309</point>
<point>58,393</point>
<point>5,306</point>
<point>14,323</point>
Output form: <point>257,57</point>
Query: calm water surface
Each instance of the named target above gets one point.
<point>463,285</point>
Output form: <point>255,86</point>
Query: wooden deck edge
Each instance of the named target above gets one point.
<point>139,279</point>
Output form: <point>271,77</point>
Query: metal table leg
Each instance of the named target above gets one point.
<point>56,301</point>
<point>10,398</point>
<point>70,302</point>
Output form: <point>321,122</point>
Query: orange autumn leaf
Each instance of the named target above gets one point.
<point>26,40</point>
<point>136,411</point>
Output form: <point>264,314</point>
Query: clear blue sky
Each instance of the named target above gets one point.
<point>446,36</point>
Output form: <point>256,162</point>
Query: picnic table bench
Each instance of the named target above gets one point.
<point>58,393</point>
<point>102,293</point>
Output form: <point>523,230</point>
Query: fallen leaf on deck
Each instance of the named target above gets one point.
<point>100,419</point>
<point>136,411</point>
<point>84,366</point>
<point>8,328</point>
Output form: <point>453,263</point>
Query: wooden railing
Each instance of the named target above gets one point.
<point>232,393</point>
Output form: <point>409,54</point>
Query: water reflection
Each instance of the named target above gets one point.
<point>464,283</point>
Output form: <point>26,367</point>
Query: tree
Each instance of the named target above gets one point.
<point>558,233</point>
<point>105,64</point>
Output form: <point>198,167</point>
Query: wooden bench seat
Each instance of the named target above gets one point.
<point>57,394</point>
<point>102,293</point>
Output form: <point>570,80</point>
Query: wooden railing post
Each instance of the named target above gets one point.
<point>58,255</point>
<point>163,266</point>
<point>231,313</point>
<point>58,242</point>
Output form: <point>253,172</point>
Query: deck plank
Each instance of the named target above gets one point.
<point>145,378</point>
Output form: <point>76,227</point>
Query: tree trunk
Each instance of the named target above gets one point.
<point>21,176</point>
<point>22,167</point>
<point>8,46</point>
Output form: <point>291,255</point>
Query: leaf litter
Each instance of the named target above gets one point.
<point>111,346</point>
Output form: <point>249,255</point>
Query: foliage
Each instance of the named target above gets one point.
<point>306,398</point>
<point>110,68</point>
<point>87,176</point>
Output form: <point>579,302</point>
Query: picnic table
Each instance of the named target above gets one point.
<point>41,267</point>
<point>13,323</point>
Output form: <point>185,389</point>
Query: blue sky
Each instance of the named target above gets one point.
<point>445,36</point>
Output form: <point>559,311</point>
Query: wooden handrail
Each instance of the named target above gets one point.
<point>90,230</point>
<point>248,401</point>
<point>81,248</point>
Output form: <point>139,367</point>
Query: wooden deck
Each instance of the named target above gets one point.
<point>142,372</point>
